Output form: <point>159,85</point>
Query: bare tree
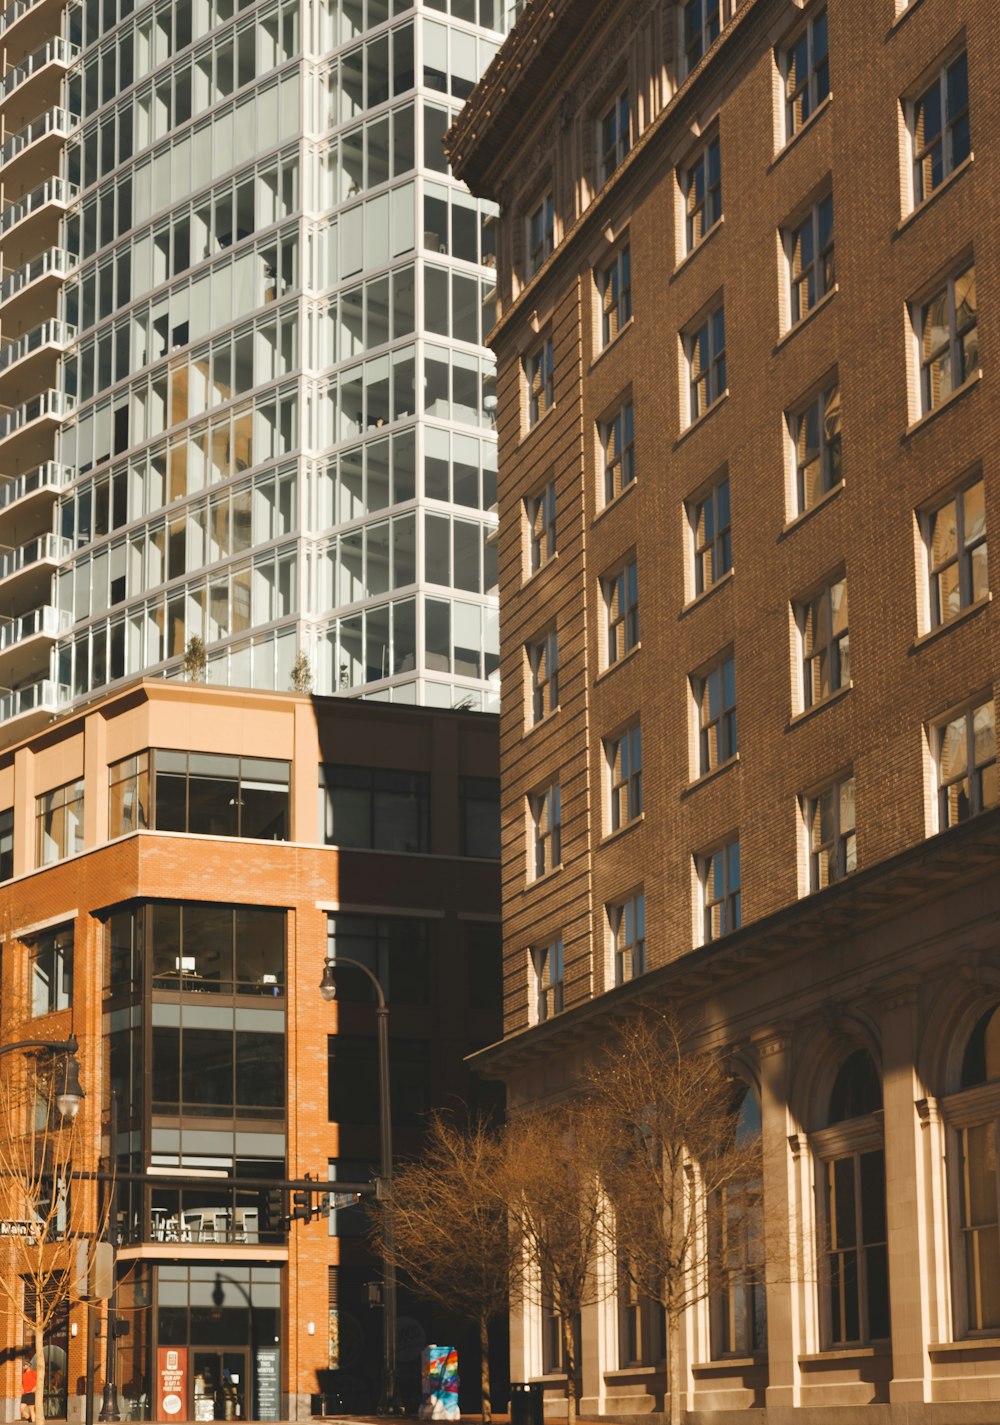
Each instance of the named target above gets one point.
<point>50,1226</point>
<point>451,1234</point>
<point>675,1162</point>
<point>553,1171</point>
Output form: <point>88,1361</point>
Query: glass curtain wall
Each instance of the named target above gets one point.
<point>281,441</point>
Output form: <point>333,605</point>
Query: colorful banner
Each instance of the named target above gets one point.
<point>440,1382</point>
<point>171,1382</point>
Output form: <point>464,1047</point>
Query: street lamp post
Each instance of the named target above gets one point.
<point>109,1402</point>
<point>389,1400</point>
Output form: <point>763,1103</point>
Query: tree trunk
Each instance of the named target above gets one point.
<point>569,1350</point>
<point>39,1334</point>
<point>674,1366</point>
<point>484,1370</point>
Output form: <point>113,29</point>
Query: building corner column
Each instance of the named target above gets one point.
<point>781,1223</point>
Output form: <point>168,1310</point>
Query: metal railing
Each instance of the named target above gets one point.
<point>55,190</point>
<point>56,260</point>
<point>53,121</point>
<point>54,51</point>
<point>12,13</point>
<point>50,333</point>
<point>46,695</point>
<point>52,547</point>
<point>47,403</point>
<point>47,620</point>
<point>50,476</point>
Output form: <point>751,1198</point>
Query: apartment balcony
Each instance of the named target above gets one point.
<point>32,222</point>
<point>31,707</point>
<point>26,24</point>
<point>27,431</point>
<point>36,83</point>
<point>25,643</point>
<point>30,294</point>
<point>40,487</point>
<point>36,148</point>
<point>29,361</point>
<point>26,573</point>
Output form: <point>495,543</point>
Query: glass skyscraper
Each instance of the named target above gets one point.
<point>244,403</point>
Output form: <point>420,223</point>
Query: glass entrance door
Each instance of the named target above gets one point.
<point>221,1385</point>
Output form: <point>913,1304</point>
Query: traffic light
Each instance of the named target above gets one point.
<point>273,1209</point>
<point>302,1204</point>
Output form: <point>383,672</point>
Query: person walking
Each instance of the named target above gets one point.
<point>29,1380</point>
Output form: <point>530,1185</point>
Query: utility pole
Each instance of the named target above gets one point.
<point>109,1404</point>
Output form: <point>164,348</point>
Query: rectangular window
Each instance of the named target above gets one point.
<point>201,948</point>
<point>353,1079</point>
<point>856,1253</point>
<point>947,339</point>
<point>618,445</point>
<point>614,283</point>
<point>59,823</point>
<point>541,233</point>
<point>540,513</point>
<point>52,971</point>
<point>128,795</point>
<point>939,127</point>
<point>712,537</point>
<point>6,844</point>
<point>538,370</point>
<point>395,949</point>
<point>543,665</point>
<point>702,27</point>
<point>956,553</point>
<point>547,961</point>
<point>715,697</point>
<point>624,758</point>
<point>614,138</point>
<point>208,794</point>
<point>966,749</point>
<point>826,649</point>
<point>805,68</point>
<point>979,1222</point>
<point>719,874</point>
<point>374,808</point>
<point>479,816</point>
<point>627,927</point>
<point>705,349</point>
<point>811,270</point>
<point>702,188</point>
<point>814,431</point>
<point>830,828</point>
<point>546,849</point>
<point>621,601</point>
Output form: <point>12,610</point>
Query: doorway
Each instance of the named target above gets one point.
<point>221,1384</point>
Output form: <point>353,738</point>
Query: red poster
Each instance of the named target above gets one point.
<point>171,1383</point>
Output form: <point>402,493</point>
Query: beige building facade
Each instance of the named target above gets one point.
<point>748,471</point>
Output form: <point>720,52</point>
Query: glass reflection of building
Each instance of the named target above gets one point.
<point>244,394</point>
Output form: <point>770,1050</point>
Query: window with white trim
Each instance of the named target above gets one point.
<point>701,185</point>
<point>543,667</point>
<point>711,535</point>
<point>546,838</point>
<point>540,514</point>
<point>829,817</point>
<point>940,135</point>
<point>814,432</point>
<point>965,749</point>
<point>805,69</point>
<point>705,350</point>
<point>621,601</point>
<point>549,974</point>
<point>955,534</point>
<point>721,897</point>
<point>825,642</point>
<point>947,337</point>
<point>539,370</point>
<point>624,759</point>
<point>541,233</point>
<point>974,1118</point>
<point>614,285</point>
<point>614,137</point>
<point>809,250</point>
<point>627,928</point>
<point>618,447</point>
<point>715,700</point>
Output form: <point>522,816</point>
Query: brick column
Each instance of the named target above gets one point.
<point>781,1217</point>
<point>905,1191</point>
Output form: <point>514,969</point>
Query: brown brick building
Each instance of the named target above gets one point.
<point>177,863</point>
<point>749,443</point>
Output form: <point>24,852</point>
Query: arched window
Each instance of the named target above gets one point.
<point>976,1120</point>
<point>852,1162</point>
<point>740,1308</point>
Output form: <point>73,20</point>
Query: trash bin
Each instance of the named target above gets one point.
<point>526,1403</point>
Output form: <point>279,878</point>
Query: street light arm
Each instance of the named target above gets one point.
<point>57,1046</point>
<point>335,961</point>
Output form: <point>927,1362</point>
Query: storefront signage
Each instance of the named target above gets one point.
<point>171,1383</point>
<point>267,1383</point>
